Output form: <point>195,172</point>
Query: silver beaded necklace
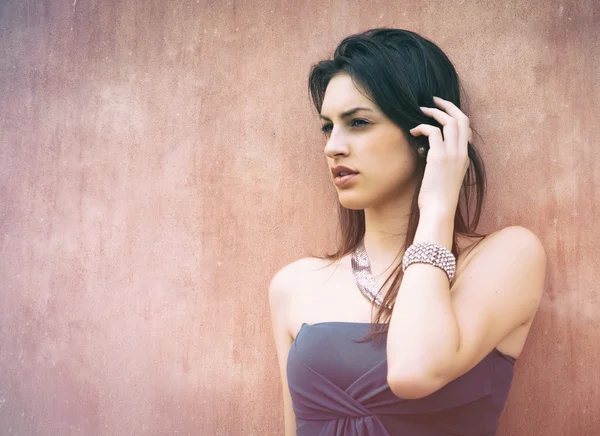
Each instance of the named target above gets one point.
<point>361,270</point>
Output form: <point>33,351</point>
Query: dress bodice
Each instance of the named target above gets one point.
<point>339,388</point>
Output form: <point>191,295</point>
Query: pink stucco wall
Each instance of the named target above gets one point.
<point>160,161</point>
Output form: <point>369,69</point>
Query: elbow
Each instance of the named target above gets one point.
<point>412,386</point>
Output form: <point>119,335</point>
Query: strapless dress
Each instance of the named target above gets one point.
<point>339,388</point>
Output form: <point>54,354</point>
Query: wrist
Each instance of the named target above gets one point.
<point>437,212</point>
<point>437,228</point>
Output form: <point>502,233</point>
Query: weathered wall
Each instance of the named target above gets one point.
<point>160,161</point>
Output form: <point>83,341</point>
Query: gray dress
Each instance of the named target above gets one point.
<point>339,387</point>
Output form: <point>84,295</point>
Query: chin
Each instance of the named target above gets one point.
<point>353,202</point>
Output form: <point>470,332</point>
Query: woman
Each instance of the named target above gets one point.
<point>414,326</point>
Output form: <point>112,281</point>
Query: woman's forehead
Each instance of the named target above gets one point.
<point>342,95</point>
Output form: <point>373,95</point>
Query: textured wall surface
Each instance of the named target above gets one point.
<point>160,161</point>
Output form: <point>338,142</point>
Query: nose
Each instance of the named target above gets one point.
<point>337,144</point>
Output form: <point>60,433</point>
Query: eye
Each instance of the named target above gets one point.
<point>356,122</point>
<point>326,128</point>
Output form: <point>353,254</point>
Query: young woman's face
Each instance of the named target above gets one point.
<point>368,142</point>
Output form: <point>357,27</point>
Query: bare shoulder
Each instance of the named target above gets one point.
<point>515,253</point>
<point>518,241</point>
<point>512,241</point>
<point>290,276</point>
<point>528,250</point>
<point>293,279</point>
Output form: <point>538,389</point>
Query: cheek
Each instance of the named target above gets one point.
<point>395,172</point>
<point>395,163</point>
<point>387,161</point>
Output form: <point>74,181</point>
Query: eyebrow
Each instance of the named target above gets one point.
<point>348,113</point>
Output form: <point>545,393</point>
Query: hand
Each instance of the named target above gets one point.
<point>447,159</point>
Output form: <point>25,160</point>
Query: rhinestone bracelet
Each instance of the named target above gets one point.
<point>434,254</point>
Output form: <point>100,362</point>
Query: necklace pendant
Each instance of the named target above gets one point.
<point>365,282</point>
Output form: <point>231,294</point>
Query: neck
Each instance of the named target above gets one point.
<point>385,234</point>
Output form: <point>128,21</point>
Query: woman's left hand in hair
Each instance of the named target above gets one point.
<point>447,158</point>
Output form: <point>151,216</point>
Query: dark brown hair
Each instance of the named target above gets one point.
<point>400,71</point>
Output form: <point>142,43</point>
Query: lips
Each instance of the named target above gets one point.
<point>345,180</point>
<point>341,170</point>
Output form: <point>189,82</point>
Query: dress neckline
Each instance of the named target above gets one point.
<point>509,358</point>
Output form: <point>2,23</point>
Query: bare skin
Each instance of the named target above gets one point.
<point>322,287</point>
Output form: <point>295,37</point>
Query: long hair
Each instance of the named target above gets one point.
<point>399,71</point>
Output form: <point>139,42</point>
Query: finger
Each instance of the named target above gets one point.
<point>450,126</point>
<point>434,134</point>
<point>464,131</point>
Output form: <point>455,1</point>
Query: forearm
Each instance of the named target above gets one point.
<point>423,334</point>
